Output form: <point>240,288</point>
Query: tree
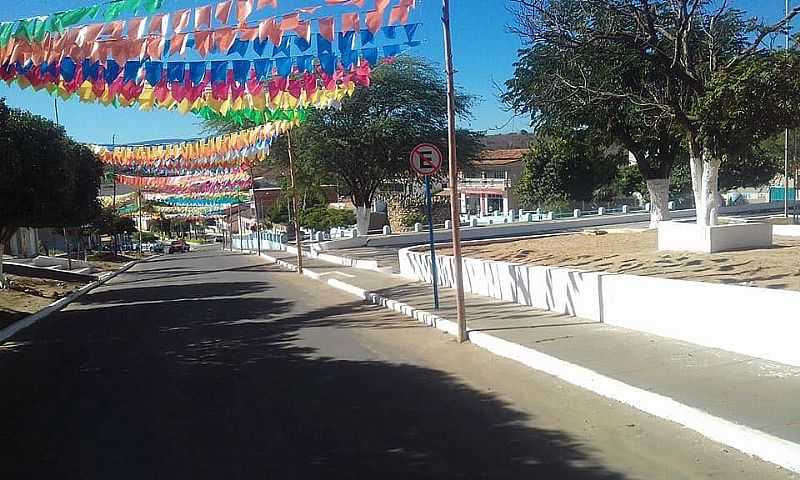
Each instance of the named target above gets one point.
<point>366,144</point>
<point>46,179</point>
<point>702,60</point>
<point>566,167</point>
<point>553,85</point>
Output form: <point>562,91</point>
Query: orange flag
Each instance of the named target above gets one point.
<point>267,3</point>
<point>202,42</point>
<point>178,44</point>
<point>326,28</point>
<point>202,17</point>
<point>248,33</point>
<point>114,29</point>
<point>381,5</point>
<point>399,15</point>
<point>181,20</point>
<point>223,11</point>
<point>374,20</point>
<point>351,22</point>
<point>243,10</point>
<point>303,30</point>
<point>136,28</point>
<point>224,38</point>
<point>158,24</point>
<point>290,22</point>
<point>155,47</point>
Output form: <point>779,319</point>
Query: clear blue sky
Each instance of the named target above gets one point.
<point>484,53</point>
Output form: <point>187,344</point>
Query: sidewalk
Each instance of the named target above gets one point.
<point>756,394</point>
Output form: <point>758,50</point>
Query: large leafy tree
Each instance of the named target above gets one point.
<point>365,144</point>
<point>709,72</point>
<point>567,167</point>
<point>46,179</point>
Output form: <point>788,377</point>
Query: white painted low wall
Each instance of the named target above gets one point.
<point>690,237</point>
<point>786,230</point>
<point>752,321</point>
<point>42,261</point>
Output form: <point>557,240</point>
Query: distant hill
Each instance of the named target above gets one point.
<point>508,140</point>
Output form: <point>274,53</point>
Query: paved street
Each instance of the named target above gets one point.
<point>216,365</point>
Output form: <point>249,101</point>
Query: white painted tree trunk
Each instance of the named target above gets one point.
<point>362,219</point>
<point>705,183</point>
<point>2,275</point>
<point>658,189</point>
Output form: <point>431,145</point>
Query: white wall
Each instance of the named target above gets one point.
<point>751,321</point>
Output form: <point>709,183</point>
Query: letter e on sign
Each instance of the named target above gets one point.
<point>426,159</point>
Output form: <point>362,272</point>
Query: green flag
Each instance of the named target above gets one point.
<point>39,30</point>
<point>152,5</point>
<point>113,11</point>
<point>131,6</point>
<point>72,17</point>
<point>6,29</point>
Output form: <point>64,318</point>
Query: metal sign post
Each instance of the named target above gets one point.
<point>426,160</point>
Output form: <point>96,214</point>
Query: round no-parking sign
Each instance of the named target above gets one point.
<point>426,159</point>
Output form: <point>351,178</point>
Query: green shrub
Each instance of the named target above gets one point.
<point>321,218</point>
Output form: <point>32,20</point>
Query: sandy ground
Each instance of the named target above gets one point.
<point>109,262</point>
<point>634,252</point>
<point>29,295</point>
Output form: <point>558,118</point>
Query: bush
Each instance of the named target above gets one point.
<point>326,218</point>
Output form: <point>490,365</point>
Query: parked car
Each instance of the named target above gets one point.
<point>178,246</point>
<point>158,247</point>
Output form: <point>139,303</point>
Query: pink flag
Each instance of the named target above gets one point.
<point>243,10</point>
<point>181,20</point>
<point>351,22</point>
<point>408,3</point>
<point>223,11</point>
<point>326,28</point>
<point>202,17</point>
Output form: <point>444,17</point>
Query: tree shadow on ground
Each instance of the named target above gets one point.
<point>227,389</point>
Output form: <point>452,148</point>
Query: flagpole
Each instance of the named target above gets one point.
<point>455,199</point>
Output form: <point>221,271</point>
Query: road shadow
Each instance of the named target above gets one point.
<point>227,389</point>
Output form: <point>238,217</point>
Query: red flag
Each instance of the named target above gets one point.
<point>267,3</point>
<point>374,20</point>
<point>399,15</point>
<point>243,10</point>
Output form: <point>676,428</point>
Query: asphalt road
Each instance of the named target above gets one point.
<point>218,366</point>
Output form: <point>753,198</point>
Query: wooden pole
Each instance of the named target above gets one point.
<point>255,208</point>
<point>455,199</point>
<point>297,233</point>
<point>139,204</point>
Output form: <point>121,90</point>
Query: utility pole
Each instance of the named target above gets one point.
<point>297,233</point>
<point>255,208</point>
<point>139,204</point>
<point>455,199</point>
<point>786,136</point>
<point>239,221</point>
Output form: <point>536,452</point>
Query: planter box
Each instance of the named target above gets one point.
<point>690,237</point>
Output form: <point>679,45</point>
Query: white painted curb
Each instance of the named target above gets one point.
<point>753,442</point>
<point>59,304</point>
